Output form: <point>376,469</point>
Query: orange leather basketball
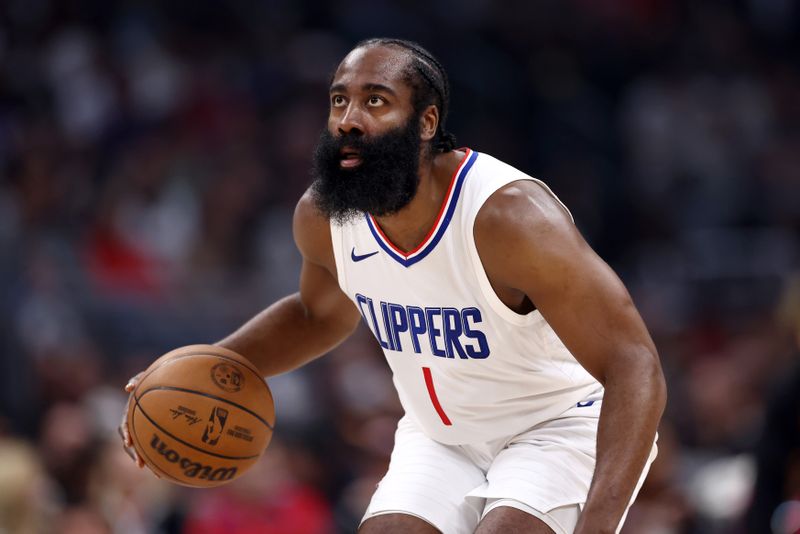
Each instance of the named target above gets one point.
<point>201,415</point>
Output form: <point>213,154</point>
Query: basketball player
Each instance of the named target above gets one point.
<point>531,387</point>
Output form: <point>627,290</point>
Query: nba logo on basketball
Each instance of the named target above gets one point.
<point>215,425</point>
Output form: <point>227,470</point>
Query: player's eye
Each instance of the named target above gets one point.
<point>375,101</point>
<point>338,101</point>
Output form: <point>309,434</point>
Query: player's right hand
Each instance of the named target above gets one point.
<point>127,443</point>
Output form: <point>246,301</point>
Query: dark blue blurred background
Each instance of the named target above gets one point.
<point>151,154</point>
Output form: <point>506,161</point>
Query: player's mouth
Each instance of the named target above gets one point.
<point>350,158</point>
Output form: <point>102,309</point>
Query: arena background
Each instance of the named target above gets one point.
<point>151,154</point>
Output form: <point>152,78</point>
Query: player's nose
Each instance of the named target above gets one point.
<point>350,121</point>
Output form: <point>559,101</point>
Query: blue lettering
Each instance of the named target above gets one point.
<point>399,323</point>
<point>361,299</point>
<point>450,331</point>
<point>416,320</point>
<point>483,346</point>
<point>451,321</point>
<point>385,315</point>
<point>434,332</point>
<point>375,324</point>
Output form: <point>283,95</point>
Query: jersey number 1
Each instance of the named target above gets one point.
<point>426,371</point>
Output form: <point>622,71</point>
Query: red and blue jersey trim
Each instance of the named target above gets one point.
<point>407,259</point>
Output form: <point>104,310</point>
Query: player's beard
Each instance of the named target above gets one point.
<point>382,184</point>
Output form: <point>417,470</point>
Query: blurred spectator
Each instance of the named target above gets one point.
<point>68,450</point>
<point>130,500</point>
<point>27,502</point>
<point>776,494</point>
<point>269,499</point>
<point>80,520</point>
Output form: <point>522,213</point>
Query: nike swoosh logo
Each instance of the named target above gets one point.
<point>356,257</point>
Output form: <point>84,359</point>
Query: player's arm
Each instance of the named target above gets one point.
<point>300,327</point>
<point>528,243</point>
<point>309,323</point>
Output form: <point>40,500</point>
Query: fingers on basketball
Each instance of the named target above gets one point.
<point>124,431</point>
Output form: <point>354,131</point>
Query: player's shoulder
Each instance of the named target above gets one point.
<point>522,206</point>
<point>520,229</point>
<point>307,211</point>
<point>311,230</point>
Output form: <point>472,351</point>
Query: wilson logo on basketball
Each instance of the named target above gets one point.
<point>192,469</point>
<point>215,425</point>
<point>227,377</point>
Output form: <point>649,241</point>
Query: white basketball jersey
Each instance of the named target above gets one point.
<point>467,368</point>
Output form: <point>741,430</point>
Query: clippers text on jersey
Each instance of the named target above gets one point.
<point>449,332</point>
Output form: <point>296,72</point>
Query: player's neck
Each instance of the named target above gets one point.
<point>409,226</point>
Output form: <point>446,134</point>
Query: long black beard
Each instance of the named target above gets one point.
<point>384,182</point>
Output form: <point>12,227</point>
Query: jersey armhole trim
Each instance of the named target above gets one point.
<point>555,197</point>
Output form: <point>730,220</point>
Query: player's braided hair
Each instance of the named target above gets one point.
<point>429,81</point>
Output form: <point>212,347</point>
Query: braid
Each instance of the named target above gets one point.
<point>431,86</point>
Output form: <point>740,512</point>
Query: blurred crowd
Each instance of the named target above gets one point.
<point>150,157</point>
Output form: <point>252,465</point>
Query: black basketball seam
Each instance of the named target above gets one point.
<point>179,440</point>
<point>151,463</point>
<point>162,364</point>
<point>206,353</point>
<point>210,396</point>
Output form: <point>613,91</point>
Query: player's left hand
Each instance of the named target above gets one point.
<point>124,433</point>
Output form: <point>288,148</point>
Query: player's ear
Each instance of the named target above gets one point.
<point>429,122</point>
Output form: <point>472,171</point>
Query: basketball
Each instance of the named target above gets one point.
<point>201,415</point>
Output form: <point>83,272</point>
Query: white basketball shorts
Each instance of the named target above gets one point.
<point>545,471</point>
